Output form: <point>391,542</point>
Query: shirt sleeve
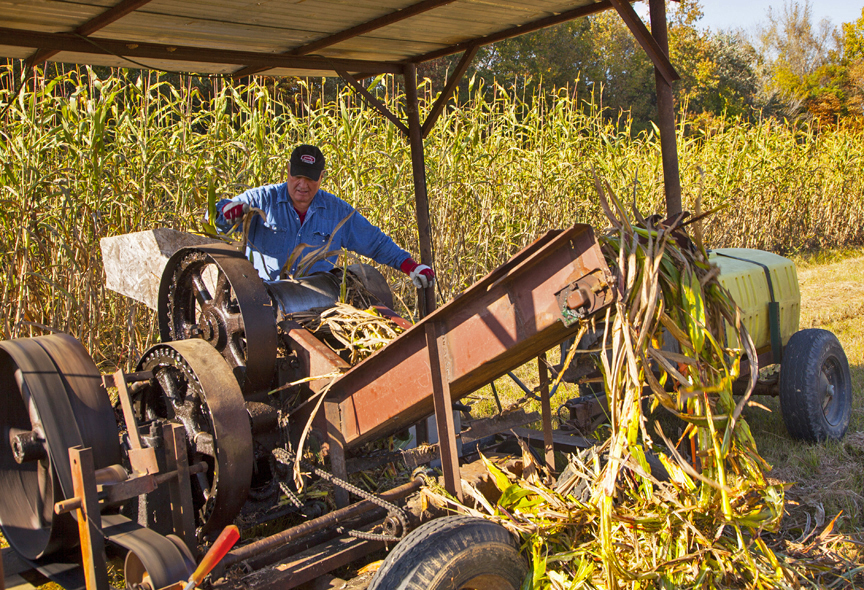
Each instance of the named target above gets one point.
<point>368,240</point>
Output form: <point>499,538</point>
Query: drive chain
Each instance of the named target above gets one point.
<point>287,458</point>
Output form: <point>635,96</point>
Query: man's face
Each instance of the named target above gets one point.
<point>302,190</point>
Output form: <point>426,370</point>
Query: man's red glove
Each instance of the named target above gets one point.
<point>421,275</point>
<point>234,211</point>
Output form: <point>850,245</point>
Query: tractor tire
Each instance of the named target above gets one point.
<point>454,553</point>
<point>815,387</point>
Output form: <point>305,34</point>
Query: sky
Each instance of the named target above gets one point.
<point>726,14</point>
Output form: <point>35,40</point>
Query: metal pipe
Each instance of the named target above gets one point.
<point>332,518</point>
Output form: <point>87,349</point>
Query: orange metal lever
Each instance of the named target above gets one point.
<point>223,544</point>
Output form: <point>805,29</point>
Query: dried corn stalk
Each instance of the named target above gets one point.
<point>356,332</point>
<point>610,523</point>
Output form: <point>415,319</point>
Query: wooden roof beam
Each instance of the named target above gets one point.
<point>646,40</point>
<point>94,24</point>
<point>452,83</point>
<point>373,100</point>
<point>133,50</point>
<point>367,27</point>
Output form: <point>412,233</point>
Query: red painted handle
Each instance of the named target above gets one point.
<point>223,544</point>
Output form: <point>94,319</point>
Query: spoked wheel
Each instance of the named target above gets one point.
<point>454,553</point>
<point>815,387</point>
<point>52,399</point>
<point>215,294</point>
<point>195,387</point>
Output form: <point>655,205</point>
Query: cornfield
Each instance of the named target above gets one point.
<point>86,157</point>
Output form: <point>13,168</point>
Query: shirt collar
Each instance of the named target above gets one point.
<point>284,197</point>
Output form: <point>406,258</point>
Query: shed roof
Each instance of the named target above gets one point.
<point>272,37</point>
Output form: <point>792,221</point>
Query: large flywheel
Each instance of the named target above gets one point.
<point>193,385</point>
<point>52,398</point>
<point>213,293</point>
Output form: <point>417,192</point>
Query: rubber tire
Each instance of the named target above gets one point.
<point>812,360</point>
<point>449,552</point>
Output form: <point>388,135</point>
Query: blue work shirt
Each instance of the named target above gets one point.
<point>271,242</point>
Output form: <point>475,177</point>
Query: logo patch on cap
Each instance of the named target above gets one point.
<point>306,158</point>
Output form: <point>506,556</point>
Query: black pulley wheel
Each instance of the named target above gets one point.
<point>454,553</point>
<point>52,398</point>
<point>194,386</point>
<point>815,387</point>
<point>215,294</point>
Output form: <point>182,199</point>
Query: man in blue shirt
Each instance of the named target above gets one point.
<point>299,212</point>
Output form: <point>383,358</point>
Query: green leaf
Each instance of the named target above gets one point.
<point>694,309</point>
<point>501,480</point>
<point>512,495</point>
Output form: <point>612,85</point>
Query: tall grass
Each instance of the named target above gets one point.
<point>84,157</point>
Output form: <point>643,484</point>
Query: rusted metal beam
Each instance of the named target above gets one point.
<point>659,55</point>
<point>367,27</point>
<point>452,83</point>
<point>666,115</point>
<point>499,323</point>
<point>373,101</point>
<point>546,411</point>
<point>426,297</point>
<point>336,451</point>
<point>138,50</point>
<point>438,358</point>
<point>96,23</point>
<point>516,31</point>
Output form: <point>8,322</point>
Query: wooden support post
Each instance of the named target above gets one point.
<point>89,518</point>
<point>426,297</point>
<point>546,412</point>
<point>179,487</point>
<point>443,414</point>
<point>666,114</point>
<point>337,450</point>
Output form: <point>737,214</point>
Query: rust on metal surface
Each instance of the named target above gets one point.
<point>546,410</point>
<point>179,486</point>
<point>502,321</point>
<point>142,459</point>
<point>315,357</point>
<point>305,566</point>
<point>281,538</point>
<point>439,360</point>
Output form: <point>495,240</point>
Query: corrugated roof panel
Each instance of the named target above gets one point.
<point>272,27</point>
